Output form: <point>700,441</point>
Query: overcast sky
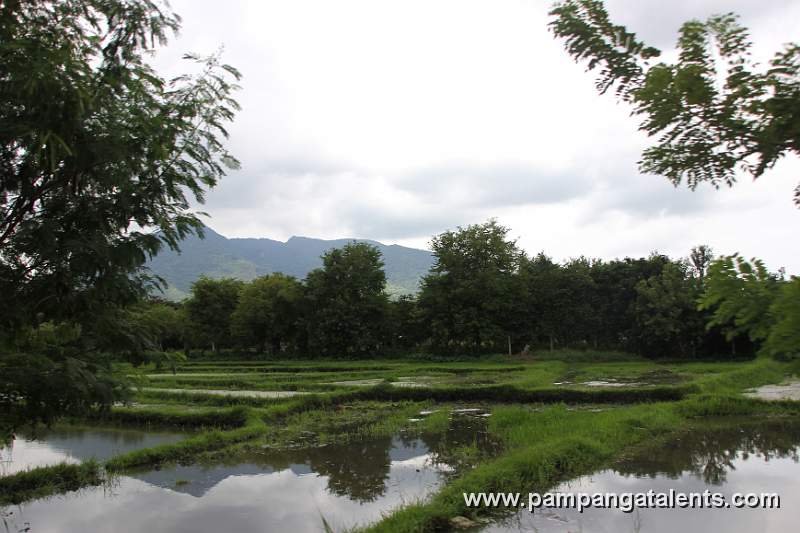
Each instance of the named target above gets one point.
<point>397,120</point>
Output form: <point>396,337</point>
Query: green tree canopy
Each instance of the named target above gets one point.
<point>558,300</point>
<point>712,109</point>
<point>346,302</point>
<point>739,294</point>
<point>468,297</point>
<point>783,339</point>
<point>268,312</point>
<point>666,312</point>
<point>209,310</point>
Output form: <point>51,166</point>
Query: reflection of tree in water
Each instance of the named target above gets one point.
<point>466,432</point>
<point>358,470</point>
<point>710,453</point>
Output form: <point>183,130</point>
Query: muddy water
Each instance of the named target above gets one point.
<point>741,457</point>
<point>290,490</point>
<point>74,444</point>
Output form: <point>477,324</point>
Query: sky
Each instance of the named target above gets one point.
<point>396,121</point>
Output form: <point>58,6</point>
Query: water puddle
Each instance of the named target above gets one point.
<point>739,458</point>
<point>405,381</point>
<point>356,382</point>
<point>611,383</point>
<point>645,379</point>
<point>193,375</point>
<point>275,394</point>
<point>273,490</point>
<point>415,382</point>
<point>74,444</point>
<point>785,391</point>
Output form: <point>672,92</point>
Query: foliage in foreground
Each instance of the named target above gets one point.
<point>713,109</point>
<point>95,146</point>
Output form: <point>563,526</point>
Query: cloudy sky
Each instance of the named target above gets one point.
<point>397,120</point>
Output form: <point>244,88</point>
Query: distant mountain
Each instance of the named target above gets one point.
<point>217,256</point>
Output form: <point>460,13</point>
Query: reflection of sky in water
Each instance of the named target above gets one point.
<point>275,491</point>
<point>73,445</point>
<point>724,462</point>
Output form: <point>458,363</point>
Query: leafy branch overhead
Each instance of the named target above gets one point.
<point>100,155</point>
<point>712,110</point>
<point>100,158</point>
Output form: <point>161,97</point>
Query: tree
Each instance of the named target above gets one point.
<point>406,327</point>
<point>712,109</point>
<point>783,339</point>
<point>700,259</point>
<point>209,309</point>
<point>268,312</point>
<point>615,292</point>
<point>666,313</point>
<point>99,157</point>
<point>346,302</point>
<point>558,300</point>
<point>739,294</point>
<point>158,331</point>
<point>469,296</point>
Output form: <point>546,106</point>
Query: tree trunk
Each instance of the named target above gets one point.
<point>552,343</point>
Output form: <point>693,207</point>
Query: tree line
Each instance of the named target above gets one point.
<point>485,295</point>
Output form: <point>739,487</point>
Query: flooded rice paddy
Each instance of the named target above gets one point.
<point>266,489</point>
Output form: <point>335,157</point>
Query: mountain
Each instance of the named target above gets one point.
<point>217,256</point>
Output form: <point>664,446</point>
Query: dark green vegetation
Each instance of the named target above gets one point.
<point>216,257</point>
<point>94,146</point>
<point>485,296</point>
<point>713,109</point>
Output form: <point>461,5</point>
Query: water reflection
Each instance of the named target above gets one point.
<point>711,453</point>
<point>74,444</point>
<point>736,457</point>
<point>358,471</point>
<point>271,490</point>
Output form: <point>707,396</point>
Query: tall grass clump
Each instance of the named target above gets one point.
<point>48,480</point>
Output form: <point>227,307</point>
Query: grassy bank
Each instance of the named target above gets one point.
<point>48,480</point>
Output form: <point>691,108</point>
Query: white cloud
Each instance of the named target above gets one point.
<point>398,120</point>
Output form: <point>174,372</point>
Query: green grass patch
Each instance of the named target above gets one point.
<point>48,480</point>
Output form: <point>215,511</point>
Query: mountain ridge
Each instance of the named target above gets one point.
<point>246,258</point>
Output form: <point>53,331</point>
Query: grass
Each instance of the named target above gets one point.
<point>568,443</point>
<point>48,480</point>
